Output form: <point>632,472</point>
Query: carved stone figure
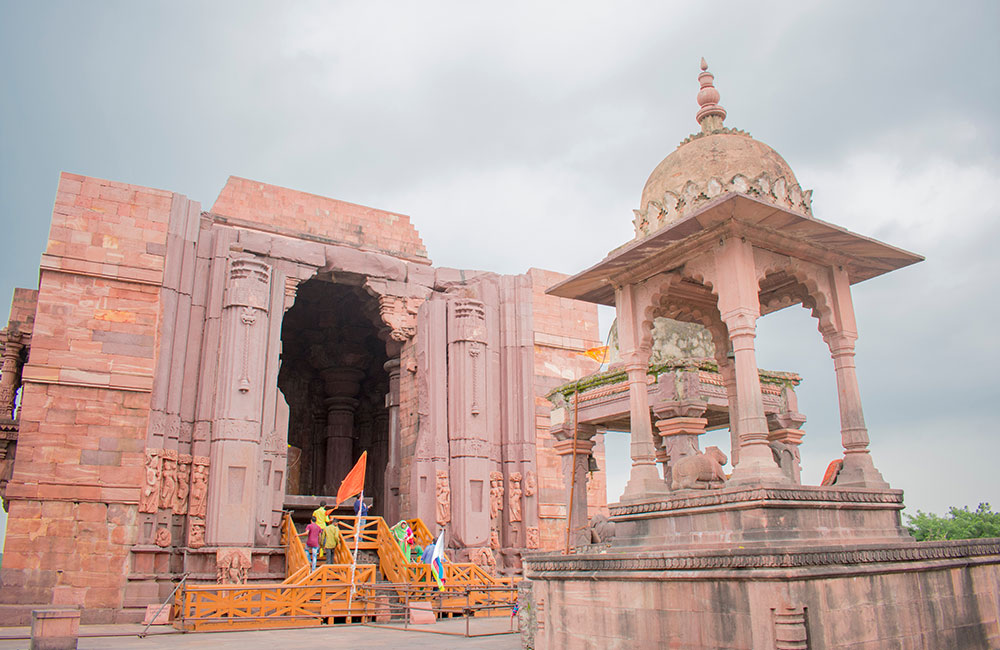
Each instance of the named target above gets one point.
<point>496,494</point>
<point>700,471</point>
<point>532,534</point>
<point>199,486</point>
<point>196,532</point>
<point>494,539</point>
<point>515,497</point>
<point>162,537</point>
<point>484,559</point>
<point>168,478</point>
<point>150,497</point>
<point>183,484</point>
<point>788,458</point>
<point>530,486</point>
<point>233,566</point>
<point>443,491</point>
<point>601,529</point>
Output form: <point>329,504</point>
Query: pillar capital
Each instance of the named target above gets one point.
<point>583,446</point>
<point>564,431</point>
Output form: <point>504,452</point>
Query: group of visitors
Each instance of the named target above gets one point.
<point>322,534</point>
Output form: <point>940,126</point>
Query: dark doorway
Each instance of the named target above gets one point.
<point>334,381</point>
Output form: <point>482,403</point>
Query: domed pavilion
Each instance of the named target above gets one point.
<point>724,234</point>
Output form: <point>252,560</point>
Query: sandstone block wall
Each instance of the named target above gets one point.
<point>299,213</point>
<point>85,399</point>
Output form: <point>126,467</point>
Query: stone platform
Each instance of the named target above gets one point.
<point>863,595</point>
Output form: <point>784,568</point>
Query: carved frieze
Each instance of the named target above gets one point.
<point>443,494</point>
<point>233,565</point>
<point>150,496</point>
<point>515,497</point>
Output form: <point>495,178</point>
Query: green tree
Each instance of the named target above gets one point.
<point>961,523</point>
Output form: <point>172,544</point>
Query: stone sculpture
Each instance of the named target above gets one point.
<point>443,491</point>
<point>168,478</point>
<point>183,484</point>
<point>532,537</point>
<point>199,486</point>
<point>787,457</point>
<point>484,559</point>
<point>494,539</point>
<point>515,497</point>
<point>496,494</point>
<point>162,537</point>
<point>601,529</point>
<point>196,532</point>
<point>149,499</point>
<point>700,471</point>
<point>233,566</point>
<point>530,485</point>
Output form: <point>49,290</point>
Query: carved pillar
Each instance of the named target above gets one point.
<point>10,372</point>
<point>643,479</point>
<point>468,434</point>
<point>740,307</point>
<point>575,477</point>
<point>679,424</point>
<point>390,491</point>
<point>339,439</point>
<point>236,430</point>
<point>858,470</point>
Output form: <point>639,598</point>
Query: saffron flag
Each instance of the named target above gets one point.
<point>437,560</point>
<point>600,354</point>
<point>354,482</point>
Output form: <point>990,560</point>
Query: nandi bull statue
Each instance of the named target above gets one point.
<point>699,471</point>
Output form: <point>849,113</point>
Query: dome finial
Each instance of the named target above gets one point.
<point>711,115</point>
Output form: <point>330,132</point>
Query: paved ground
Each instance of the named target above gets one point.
<point>342,636</point>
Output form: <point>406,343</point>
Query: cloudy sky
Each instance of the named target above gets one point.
<point>522,137</point>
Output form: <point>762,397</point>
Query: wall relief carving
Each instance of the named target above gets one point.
<point>150,497</point>
<point>196,532</point>
<point>484,559</point>
<point>496,494</point>
<point>199,486</point>
<point>233,566</point>
<point>530,485</point>
<point>443,492</point>
<point>532,537</point>
<point>168,478</point>
<point>515,497</point>
<point>183,484</point>
<point>162,537</point>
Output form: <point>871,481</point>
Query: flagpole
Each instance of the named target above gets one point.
<point>354,560</point>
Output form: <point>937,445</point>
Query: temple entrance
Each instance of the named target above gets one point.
<point>334,381</point>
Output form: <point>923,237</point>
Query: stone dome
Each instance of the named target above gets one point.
<point>715,161</point>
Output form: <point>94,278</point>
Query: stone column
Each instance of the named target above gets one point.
<point>390,492</point>
<point>10,372</point>
<point>576,489</point>
<point>341,384</point>
<point>680,424</point>
<point>235,444</point>
<point>728,371</point>
<point>740,307</point>
<point>644,479</point>
<point>858,470</point>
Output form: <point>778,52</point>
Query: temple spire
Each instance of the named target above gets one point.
<point>710,115</point>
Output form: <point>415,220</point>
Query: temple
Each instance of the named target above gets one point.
<point>182,377</point>
<point>696,556</point>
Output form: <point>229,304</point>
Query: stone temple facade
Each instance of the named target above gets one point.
<point>181,377</point>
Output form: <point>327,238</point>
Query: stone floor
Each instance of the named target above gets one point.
<point>125,637</point>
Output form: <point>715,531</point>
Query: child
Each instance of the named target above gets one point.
<point>312,532</point>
